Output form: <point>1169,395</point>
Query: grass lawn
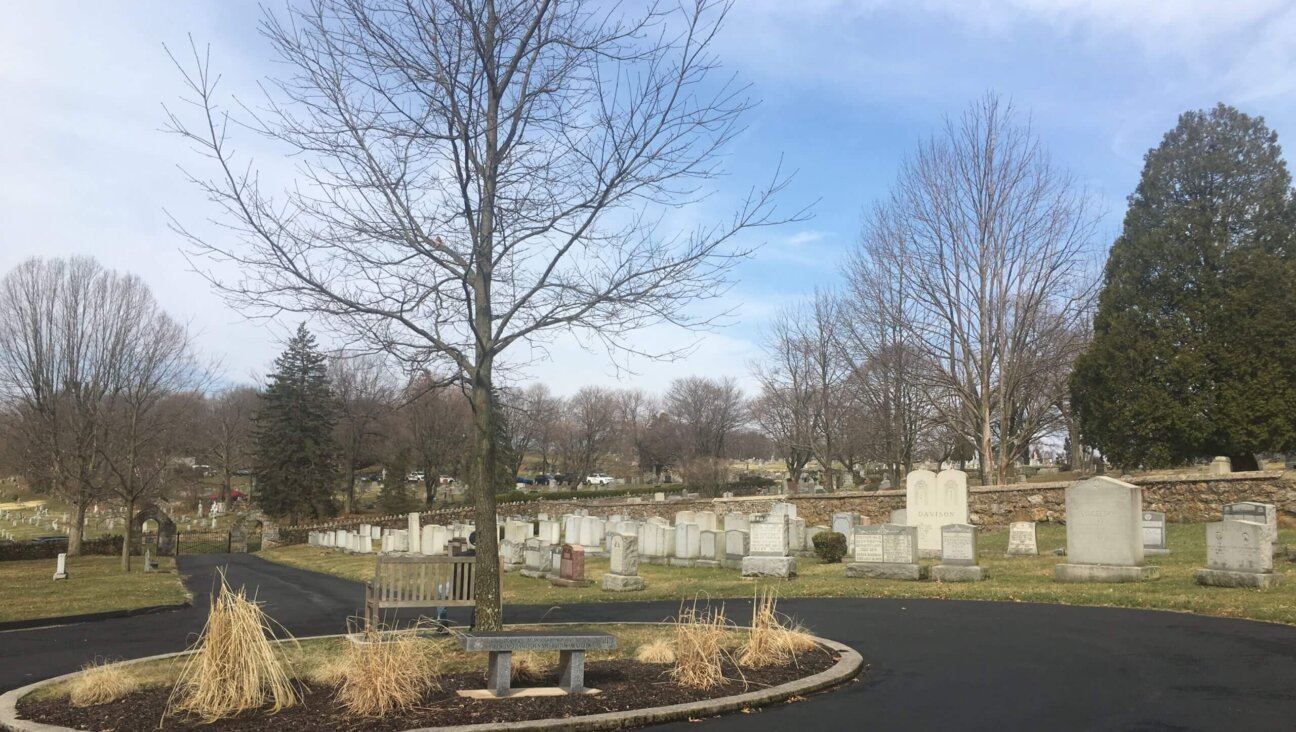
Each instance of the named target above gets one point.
<point>94,584</point>
<point>1016,579</point>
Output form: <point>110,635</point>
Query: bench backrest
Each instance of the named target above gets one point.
<point>419,581</point>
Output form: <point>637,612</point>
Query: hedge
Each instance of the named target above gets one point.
<point>14,551</point>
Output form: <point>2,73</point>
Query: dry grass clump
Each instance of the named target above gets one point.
<point>329,673</point>
<point>699,647</point>
<point>387,674</point>
<point>234,667</point>
<point>528,667</point>
<point>773,640</point>
<point>101,682</point>
<point>658,651</point>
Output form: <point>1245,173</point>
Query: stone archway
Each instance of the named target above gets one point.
<point>166,535</point>
<point>244,523</point>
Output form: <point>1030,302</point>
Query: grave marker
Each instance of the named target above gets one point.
<point>623,553</point>
<point>1021,539</point>
<point>886,551</point>
<point>958,555</point>
<point>1154,534</point>
<point>1238,554</point>
<point>1104,533</point>
<point>571,567</point>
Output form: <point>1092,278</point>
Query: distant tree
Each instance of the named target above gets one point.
<point>227,438</point>
<point>589,430</point>
<point>396,495</point>
<point>295,456</point>
<point>1192,353</point>
<point>708,410</point>
<point>437,423</point>
<point>364,394</point>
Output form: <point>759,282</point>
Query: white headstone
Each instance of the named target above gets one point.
<point>1021,539</point>
<point>623,554</point>
<point>768,539</point>
<point>1261,513</point>
<point>932,501</point>
<point>958,545</point>
<point>1104,523</point>
<point>1238,546</point>
<point>60,571</point>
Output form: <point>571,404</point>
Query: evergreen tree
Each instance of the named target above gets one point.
<point>295,457</point>
<point>1193,354</point>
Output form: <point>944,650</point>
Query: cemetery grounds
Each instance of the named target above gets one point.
<point>1012,579</point>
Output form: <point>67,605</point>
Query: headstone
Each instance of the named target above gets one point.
<point>1154,534</point>
<point>958,555</point>
<point>659,497</point>
<point>768,549</point>
<point>886,551</point>
<point>414,533</point>
<point>932,501</point>
<point>1261,513</point>
<point>571,567</point>
<point>688,545</point>
<point>885,485</point>
<point>1021,539</point>
<point>736,521</point>
<point>60,570</point>
<point>536,558</point>
<point>1238,554</point>
<point>1104,533</point>
<point>899,517</point>
<point>844,524</point>
<point>623,574</point>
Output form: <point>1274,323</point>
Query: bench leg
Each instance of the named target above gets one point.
<point>499,672</point>
<point>571,671</point>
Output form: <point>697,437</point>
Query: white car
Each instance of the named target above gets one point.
<point>599,479</point>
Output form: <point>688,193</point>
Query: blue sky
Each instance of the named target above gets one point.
<point>847,89</point>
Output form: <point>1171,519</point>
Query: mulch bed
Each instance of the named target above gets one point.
<point>625,685</point>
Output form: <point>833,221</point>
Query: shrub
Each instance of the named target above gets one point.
<point>657,652</point>
<point>386,674</point>
<point>699,648</point>
<point>235,667</point>
<point>101,682</point>
<point>830,546</point>
<point>11,551</point>
<point>529,667</point>
<point>773,640</point>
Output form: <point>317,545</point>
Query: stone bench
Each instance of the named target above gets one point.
<point>570,644</point>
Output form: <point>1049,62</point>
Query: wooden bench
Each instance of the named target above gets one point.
<point>419,581</point>
<point>570,644</point>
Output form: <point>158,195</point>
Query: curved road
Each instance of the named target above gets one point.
<point>933,664</point>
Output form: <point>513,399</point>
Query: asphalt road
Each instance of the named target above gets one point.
<point>932,664</point>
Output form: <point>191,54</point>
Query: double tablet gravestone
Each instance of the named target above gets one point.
<point>1238,554</point>
<point>768,551</point>
<point>1154,534</point>
<point>1021,539</point>
<point>958,555</point>
<point>886,551</point>
<point>623,575</point>
<point>1104,533</point>
<point>933,501</point>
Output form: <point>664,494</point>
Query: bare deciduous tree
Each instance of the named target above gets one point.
<point>786,407</point>
<point>227,433</point>
<point>708,410</point>
<point>589,431</point>
<point>996,247</point>
<point>475,174</point>
<point>365,393</point>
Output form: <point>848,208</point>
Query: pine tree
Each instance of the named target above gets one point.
<point>1193,354</point>
<point>295,456</point>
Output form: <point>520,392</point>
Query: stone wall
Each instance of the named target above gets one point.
<point>1186,498</point>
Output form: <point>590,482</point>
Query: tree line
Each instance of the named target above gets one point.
<point>974,324</point>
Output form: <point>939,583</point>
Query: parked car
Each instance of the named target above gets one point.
<point>415,476</point>
<point>522,480</point>
<point>599,479</point>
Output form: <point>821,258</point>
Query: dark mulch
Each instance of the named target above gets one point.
<point>625,685</point>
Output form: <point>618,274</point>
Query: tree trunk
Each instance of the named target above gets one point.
<point>76,529</point>
<point>487,574</point>
<point>126,536</point>
<point>430,484</point>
